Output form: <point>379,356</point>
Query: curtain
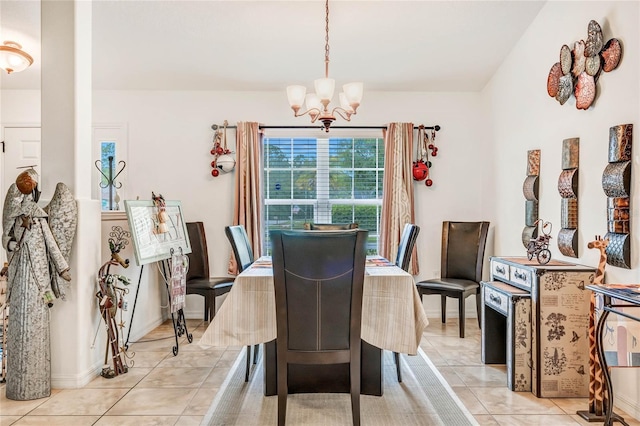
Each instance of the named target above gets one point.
<point>248,186</point>
<point>397,195</point>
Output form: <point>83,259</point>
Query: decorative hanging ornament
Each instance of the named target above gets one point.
<point>420,169</point>
<point>425,149</point>
<point>223,160</point>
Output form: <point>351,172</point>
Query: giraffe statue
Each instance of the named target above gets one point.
<point>596,388</point>
<point>601,245</point>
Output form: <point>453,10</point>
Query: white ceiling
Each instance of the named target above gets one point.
<point>266,45</point>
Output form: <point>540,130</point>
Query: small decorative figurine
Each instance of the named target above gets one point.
<point>539,247</point>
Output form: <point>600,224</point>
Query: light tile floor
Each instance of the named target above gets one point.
<point>161,389</point>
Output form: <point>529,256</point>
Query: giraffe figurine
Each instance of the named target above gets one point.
<point>596,388</point>
<point>601,245</point>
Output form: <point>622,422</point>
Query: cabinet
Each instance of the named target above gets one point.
<point>506,332</point>
<point>559,321</point>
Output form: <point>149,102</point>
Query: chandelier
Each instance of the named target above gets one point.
<point>317,103</point>
<point>12,58</point>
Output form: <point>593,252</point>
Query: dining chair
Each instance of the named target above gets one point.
<point>463,245</point>
<point>329,226</point>
<point>243,253</point>
<point>198,279</point>
<point>403,260</point>
<point>318,280</point>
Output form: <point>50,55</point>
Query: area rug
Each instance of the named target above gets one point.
<point>423,398</point>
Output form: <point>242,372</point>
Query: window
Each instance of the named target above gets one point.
<point>331,180</point>
<point>110,152</point>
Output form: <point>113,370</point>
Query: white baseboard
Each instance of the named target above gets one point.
<point>628,405</point>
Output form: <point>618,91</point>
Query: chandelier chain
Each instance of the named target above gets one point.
<point>326,39</point>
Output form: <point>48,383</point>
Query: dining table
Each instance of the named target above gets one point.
<point>393,319</point>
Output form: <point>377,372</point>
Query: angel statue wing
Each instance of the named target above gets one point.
<point>10,211</point>
<point>63,218</point>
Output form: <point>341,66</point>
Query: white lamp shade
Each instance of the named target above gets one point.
<point>353,91</point>
<point>295,94</point>
<point>12,59</point>
<point>313,102</point>
<point>344,103</point>
<point>324,88</point>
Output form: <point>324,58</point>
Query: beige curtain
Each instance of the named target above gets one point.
<point>397,198</point>
<point>248,189</point>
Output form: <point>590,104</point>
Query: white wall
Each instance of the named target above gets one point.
<point>524,117</point>
<point>170,138</point>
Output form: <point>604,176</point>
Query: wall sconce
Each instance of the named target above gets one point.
<point>12,58</point>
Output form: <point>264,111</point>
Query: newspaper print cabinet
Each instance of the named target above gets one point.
<point>559,321</point>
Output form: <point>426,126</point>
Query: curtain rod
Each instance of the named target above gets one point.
<point>436,127</point>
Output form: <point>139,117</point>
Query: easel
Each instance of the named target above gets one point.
<point>159,230</point>
<point>179,321</point>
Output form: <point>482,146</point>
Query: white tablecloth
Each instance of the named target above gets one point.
<point>392,314</point>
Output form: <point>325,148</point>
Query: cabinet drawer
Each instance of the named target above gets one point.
<point>496,300</point>
<point>499,270</point>
<point>521,277</point>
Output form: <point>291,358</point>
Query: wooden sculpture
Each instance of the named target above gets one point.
<point>596,387</point>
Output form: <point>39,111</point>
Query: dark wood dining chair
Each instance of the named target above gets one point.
<point>243,253</point>
<point>318,279</point>
<point>462,261</point>
<point>198,279</point>
<point>403,260</point>
<point>329,226</point>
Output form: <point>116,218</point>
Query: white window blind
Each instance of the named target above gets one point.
<point>323,180</point>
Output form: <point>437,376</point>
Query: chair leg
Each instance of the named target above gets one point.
<point>206,308</point>
<point>246,374</point>
<point>461,315</point>
<point>283,390</point>
<point>396,355</point>
<point>355,393</point>
<point>443,305</point>
<point>256,348</point>
<point>479,310</point>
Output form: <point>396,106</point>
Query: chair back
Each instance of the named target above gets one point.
<point>199,256</point>
<point>318,281</point>
<point>405,247</point>
<point>463,245</point>
<point>329,226</point>
<point>240,245</point>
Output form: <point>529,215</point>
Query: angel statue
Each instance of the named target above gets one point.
<point>38,253</point>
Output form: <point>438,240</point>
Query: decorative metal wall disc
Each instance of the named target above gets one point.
<point>585,91</point>
<point>568,242</point>
<point>531,212</point>
<point>618,252</point>
<point>568,183</point>
<point>594,42</point>
<point>529,233</point>
<point>565,59</point>
<point>569,213</point>
<point>611,54</point>
<point>578,58</point>
<point>620,139</point>
<point>616,179</point>
<point>553,81</point>
<point>530,188</point>
<point>565,88</point>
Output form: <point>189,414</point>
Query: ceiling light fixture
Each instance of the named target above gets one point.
<point>318,103</point>
<point>13,58</point>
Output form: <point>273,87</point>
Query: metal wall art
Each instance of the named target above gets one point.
<point>568,189</point>
<point>578,70</point>
<point>616,183</point>
<point>530,191</point>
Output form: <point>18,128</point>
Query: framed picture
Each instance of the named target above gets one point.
<point>153,240</point>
